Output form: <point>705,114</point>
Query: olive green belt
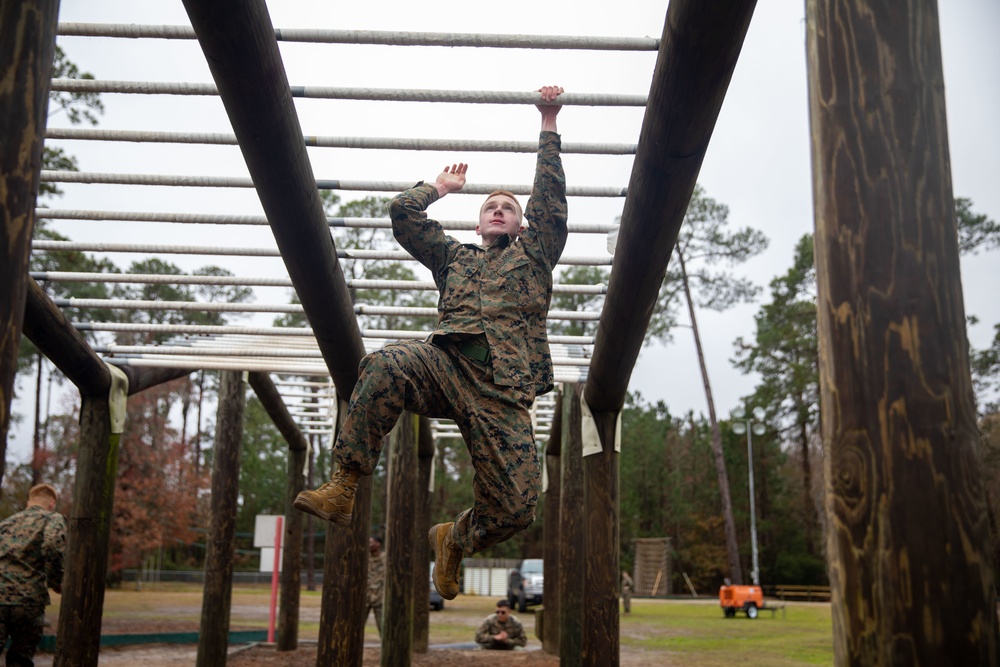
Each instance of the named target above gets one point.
<point>475,348</point>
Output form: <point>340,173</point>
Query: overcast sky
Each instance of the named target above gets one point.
<point>758,161</point>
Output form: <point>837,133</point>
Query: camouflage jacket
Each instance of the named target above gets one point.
<point>376,579</point>
<point>627,584</point>
<point>491,626</point>
<point>32,543</point>
<point>503,291</point>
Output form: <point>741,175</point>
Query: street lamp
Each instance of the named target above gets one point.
<point>755,428</point>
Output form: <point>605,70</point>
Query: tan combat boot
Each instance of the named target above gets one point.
<point>334,501</point>
<point>447,560</point>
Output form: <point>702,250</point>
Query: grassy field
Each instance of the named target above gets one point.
<point>683,632</point>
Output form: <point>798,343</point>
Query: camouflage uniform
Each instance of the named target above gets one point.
<point>627,587</point>
<point>31,560</point>
<point>376,584</point>
<point>499,297</point>
<point>492,626</point>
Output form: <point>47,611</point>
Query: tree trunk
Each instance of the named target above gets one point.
<point>36,449</point>
<point>732,547</point>
<point>808,507</point>
<point>910,572</point>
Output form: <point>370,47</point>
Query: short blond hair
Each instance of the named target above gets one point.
<point>505,193</point>
<point>39,490</point>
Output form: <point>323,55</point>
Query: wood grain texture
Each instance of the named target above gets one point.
<point>27,46</point>
<point>910,572</point>
<point>552,532</point>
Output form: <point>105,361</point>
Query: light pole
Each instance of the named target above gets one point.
<point>751,428</point>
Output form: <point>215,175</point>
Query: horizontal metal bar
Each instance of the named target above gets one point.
<point>213,307</point>
<point>246,281</point>
<point>396,255</point>
<point>260,220</point>
<point>167,180</point>
<point>366,143</point>
<point>356,93</point>
<point>378,37</point>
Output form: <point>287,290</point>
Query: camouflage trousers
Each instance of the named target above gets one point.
<point>24,626</point>
<point>436,380</point>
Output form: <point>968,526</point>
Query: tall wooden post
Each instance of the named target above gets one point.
<point>552,532</point>
<point>397,614</point>
<point>26,53</point>
<point>79,637</point>
<point>601,497</point>
<point>573,548</point>
<point>345,582</point>
<point>908,540</point>
<point>291,567</point>
<point>421,548</point>
<point>213,641</point>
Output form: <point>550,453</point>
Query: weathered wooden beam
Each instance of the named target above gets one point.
<point>79,632</point>
<point>140,379</point>
<point>421,548</point>
<point>908,539</point>
<point>345,580</point>
<point>551,534</point>
<point>271,399</point>
<point>242,53</point>
<point>27,47</point>
<point>698,50</point>
<point>213,640</point>
<point>601,507</point>
<point>397,606</point>
<point>53,334</point>
<point>573,550</point>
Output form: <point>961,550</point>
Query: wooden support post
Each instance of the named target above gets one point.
<point>29,38</point>
<point>397,609</point>
<point>345,582</point>
<point>291,571</point>
<point>213,641</point>
<point>573,544</point>
<point>291,568</point>
<point>421,548</point>
<point>601,498</point>
<point>551,537</point>
<point>79,631</point>
<point>908,538</point>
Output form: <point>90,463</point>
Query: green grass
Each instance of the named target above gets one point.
<point>697,634</point>
<point>693,633</point>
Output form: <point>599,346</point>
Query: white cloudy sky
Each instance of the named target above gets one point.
<point>758,161</point>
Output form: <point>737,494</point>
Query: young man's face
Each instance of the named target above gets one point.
<point>498,216</point>
<point>502,614</point>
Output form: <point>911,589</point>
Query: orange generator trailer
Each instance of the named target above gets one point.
<point>748,599</point>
